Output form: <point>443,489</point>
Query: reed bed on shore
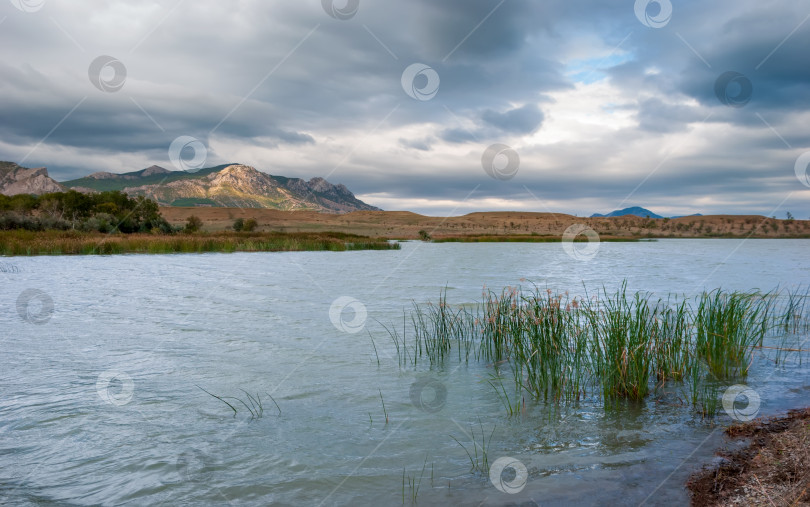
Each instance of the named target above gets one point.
<point>611,346</point>
<point>526,238</point>
<point>21,242</point>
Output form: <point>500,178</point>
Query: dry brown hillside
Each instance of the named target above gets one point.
<point>405,225</point>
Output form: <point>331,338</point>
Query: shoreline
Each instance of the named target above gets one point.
<point>773,468</point>
<point>28,243</point>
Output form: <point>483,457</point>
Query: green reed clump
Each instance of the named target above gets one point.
<point>614,346</point>
<point>623,335</point>
<point>791,311</point>
<point>672,342</point>
<point>436,326</point>
<point>549,350</point>
<point>727,326</point>
<point>500,323</point>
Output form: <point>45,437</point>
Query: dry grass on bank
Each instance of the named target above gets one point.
<point>82,243</point>
<point>774,469</point>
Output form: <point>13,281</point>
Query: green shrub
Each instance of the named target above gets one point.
<point>250,225</point>
<point>193,223</point>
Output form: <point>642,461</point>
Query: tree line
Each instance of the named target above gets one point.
<point>111,211</point>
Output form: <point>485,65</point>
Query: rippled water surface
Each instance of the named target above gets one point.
<point>100,404</point>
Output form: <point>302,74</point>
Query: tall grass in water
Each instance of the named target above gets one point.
<point>727,326</point>
<point>623,335</point>
<point>792,311</point>
<point>435,326</point>
<point>613,346</point>
<point>252,403</point>
<point>672,342</point>
<point>413,484</point>
<point>549,350</point>
<point>479,456</point>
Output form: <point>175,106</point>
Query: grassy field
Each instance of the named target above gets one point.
<point>521,226</point>
<point>82,243</point>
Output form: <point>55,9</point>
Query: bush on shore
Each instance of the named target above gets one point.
<point>71,210</point>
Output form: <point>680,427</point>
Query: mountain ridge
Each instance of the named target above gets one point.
<point>15,179</point>
<point>226,185</point>
<point>637,211</point>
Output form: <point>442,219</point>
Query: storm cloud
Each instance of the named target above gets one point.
<point>606,105</point>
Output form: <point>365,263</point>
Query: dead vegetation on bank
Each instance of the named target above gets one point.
<point>773,469</point>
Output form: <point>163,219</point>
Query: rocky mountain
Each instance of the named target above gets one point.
<point>15,179</point>
<point>230,185</point>
<point>149,171</point>
<point>635,210</point>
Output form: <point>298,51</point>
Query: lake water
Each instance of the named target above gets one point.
<point>99,401</point>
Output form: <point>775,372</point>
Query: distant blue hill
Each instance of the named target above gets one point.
<point>635,210</point>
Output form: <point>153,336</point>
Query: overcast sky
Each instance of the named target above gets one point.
<point>434,106</point>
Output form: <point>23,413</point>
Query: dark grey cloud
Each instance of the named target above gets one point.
<point>522,120</point>
<point>655,115</point>
<point>285,87</point>
<point>417,144</point>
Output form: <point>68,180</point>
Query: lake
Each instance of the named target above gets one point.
<point>105,359</point>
